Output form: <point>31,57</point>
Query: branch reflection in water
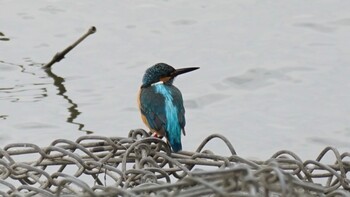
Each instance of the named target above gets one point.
<point>62,91</point>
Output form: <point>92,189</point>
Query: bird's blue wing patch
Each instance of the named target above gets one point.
<point>178,102</point>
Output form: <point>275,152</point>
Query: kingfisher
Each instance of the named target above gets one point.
<point>161,104</point>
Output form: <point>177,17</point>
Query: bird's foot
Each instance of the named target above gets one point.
<point>157,136</point>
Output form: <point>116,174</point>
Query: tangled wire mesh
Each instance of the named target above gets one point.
<point>141,165</point>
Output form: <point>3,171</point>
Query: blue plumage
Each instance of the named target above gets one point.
<point>172,108</point>
<point>161,103</point>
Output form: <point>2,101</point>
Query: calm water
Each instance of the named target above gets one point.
<point>273,75</point>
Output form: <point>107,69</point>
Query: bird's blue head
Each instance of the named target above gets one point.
<point>162,72</point>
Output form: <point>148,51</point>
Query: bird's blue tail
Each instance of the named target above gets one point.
<point>176,145</point>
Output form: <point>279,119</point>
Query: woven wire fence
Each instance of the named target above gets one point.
<point>141,165</point>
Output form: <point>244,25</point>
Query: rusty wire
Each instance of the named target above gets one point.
<point>141,165</point>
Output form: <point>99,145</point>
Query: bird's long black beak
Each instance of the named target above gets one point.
<point>183,70</point>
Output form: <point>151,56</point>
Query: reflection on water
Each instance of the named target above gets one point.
<point>316,27</point>
<point>205,100</point>
<point>18,91</point>
<point>261,77</point>
<point>326,141</point>
<point>3,117</point>
<point>73,109</point>
<point>15,90</point>
<point>3,38</point>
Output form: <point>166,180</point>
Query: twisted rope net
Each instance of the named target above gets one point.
<point>141,165</point>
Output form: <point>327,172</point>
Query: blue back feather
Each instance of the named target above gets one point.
<point>173,128</point>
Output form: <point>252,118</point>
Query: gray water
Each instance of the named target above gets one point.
<point>274,74</point>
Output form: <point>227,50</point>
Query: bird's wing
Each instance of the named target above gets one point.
<point>152,107</point>
<point>178,102</point>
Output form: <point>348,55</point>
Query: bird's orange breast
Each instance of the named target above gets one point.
<point>143,117</point>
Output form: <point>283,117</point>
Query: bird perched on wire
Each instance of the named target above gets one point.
<point>161,103</point>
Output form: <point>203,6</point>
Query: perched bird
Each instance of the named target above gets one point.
<point>161,103</point>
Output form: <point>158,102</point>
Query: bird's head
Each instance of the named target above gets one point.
<point>164,73</point>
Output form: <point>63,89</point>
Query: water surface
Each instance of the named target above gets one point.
<point>274,75</point>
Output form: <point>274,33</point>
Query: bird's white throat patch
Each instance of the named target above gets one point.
<point>159,82</point>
